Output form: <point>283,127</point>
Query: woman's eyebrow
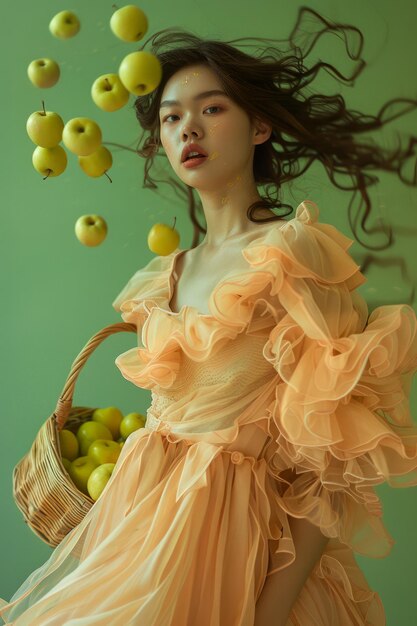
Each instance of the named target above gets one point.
<point>199,96</point>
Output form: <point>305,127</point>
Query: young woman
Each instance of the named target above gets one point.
<point>278,402</point>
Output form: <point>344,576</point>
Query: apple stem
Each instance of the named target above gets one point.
<point>175,219</point>
<point>49,171</point>
<point>43,106</point>
<point>114,6</point>
<point>108,177</point>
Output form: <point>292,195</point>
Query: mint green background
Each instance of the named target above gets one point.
<point>56,293</point>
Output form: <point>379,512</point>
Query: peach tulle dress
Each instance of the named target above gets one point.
<point>287,372</point>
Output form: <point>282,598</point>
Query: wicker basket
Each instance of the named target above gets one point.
<point>50,502</point>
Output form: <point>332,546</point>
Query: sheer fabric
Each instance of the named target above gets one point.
<point>287,376</point>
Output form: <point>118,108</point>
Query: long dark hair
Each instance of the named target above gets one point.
<point>273,87</point>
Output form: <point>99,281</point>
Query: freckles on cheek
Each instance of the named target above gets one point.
<point>215,127</point>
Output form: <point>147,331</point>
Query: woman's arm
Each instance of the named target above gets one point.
<point>282,588</point>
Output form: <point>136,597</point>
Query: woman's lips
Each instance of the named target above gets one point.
<point>194,162</point>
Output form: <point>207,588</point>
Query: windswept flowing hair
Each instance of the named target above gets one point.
<point>306,126</point>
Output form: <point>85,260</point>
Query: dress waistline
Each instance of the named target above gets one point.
<point>250,442</point>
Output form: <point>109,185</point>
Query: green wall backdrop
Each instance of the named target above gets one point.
<point>56,293</point>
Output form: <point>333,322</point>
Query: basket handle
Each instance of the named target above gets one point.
<point>64,403</point>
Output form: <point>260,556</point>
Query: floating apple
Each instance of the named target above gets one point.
<point>162,239</point>
<point>109,93</point>
<point>129,23</point>
<point>82,136</point>
<point>97,163</point>
<point>80,470</point>
<point>88,432</point>
<point>45,128</point>
<point>98,479</point>
<point>43,72</point>
<point>140,72</point>
<point>130,423</point>
<point>64,25</point>
<point>68,444</point>
<point>104,451</point>
<point>111,417</point>
<point>91,230</point>
<point>49,161</point>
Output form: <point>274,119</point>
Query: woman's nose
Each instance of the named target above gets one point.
<point>190,129</point>
<point>188,133</point>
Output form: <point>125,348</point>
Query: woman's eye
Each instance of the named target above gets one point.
<point>213,107</point>
<point>173,114</point>
<point>168,116</point>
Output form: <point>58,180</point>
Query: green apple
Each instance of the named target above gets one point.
<point>130,423</point>
<point>129,23</point>
<point>162,239</point>
<point>97,163</point>
<point>88,432</point>
<point>109,93</point>
<point>64,25</point>
<point>91,230</point>
<point>104,451</point>
<point>98,479</point>
<point>111,417</point>
<point>43,72</point>
<point>66,463</point>
<point>45,128</point>
<point>68,444</point>
<point>82,136</point>
<point>80,470</point>
<point>140,72</point>
<point>49,161</point>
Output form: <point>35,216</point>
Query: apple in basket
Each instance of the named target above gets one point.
<point>130,423</point>
<point>68,444</point>
<point>88,432</point>
<point>66,464</point>
<point>104,451</point>
<point>80,470</point>
<point>111,417</point>
<point>98,479</point>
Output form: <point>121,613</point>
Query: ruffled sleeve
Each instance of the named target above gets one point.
<point>341,416</point>
<point>147,287</point>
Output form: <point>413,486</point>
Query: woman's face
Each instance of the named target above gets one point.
<point>215,122</point>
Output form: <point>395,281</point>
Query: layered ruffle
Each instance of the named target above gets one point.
<point>239,303</point>
<point>165,339</point>
<point>341,417</point>
<point>147,288</point>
